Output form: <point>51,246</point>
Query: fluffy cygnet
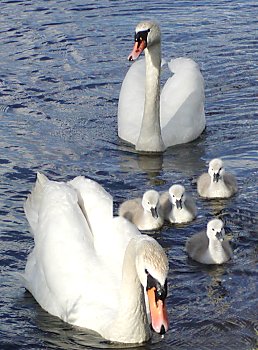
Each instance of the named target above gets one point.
<point>144,212</point>
<point>177,206</point>
<point>210,246</point>
<point>216,183</point>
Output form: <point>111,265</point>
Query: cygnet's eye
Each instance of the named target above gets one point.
<point>213,229</point>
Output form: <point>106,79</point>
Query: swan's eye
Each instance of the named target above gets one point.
<point>161,292</point>
<point>141,36</point>
<point>146,271</point>
<point>213,229</point>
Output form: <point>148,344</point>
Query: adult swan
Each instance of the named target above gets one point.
<point>152,121</point>
<point>90,269</point>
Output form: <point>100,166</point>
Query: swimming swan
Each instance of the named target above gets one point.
<point>210,246</point>
<point>91,269</point>
<point>216,183</point>
<point>152,121</point>
<point>144,212</point>
<point>178,206</point>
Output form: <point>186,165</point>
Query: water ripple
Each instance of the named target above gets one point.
<point>60,78</point>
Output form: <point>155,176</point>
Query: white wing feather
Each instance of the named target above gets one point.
<point>182,103</point>
<point>131,102</point>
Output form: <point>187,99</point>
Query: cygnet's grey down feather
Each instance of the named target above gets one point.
<point>210,246</point>
<point>178,206</point>
<point>144,212</point>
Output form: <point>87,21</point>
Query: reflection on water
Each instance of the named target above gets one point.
<point>60,77</point>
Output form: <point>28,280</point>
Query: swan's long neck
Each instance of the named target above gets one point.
<point>150,139</point>
<point>131,324</point>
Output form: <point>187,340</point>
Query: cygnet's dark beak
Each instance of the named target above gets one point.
<point>216,177</point>
<point>154,212</point>
<point>179,203</point>
<point>220,235</point>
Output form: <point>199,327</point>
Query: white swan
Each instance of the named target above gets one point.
<point>210,246</point>
<point>144,212</point>
<point>90,269</point>
<point>178,206</point>
<point>152,121</point>
<point>216,183</point>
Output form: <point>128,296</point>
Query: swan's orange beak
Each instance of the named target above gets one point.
<point>139,46</point>
<point>158,312</point>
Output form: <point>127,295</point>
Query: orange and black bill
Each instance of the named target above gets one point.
<point>140,44</point>
<point>158,312</point>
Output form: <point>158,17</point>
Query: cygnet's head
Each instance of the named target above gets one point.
<point>147,33</point>
<point>216,169</point>
<point>177,195</point>
<point>150,202</point>
<point>215,230</point>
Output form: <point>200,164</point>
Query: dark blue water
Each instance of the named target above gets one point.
<point>62,65</point>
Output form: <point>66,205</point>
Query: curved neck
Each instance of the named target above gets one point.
<point>131,323</point>
<point>150,139</point>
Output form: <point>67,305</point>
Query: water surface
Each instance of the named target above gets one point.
<point>62,65</point>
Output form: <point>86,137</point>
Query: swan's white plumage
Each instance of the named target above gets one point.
<point>75,270</point>
<point>182,103</point>
<point>131,102</point>
<point>182,117</point>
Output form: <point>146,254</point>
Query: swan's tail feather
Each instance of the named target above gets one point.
<point>31,206</point>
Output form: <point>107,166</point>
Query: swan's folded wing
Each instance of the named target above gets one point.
<point>59,267</point>
<point>131,102</point>
<point>110,236</point>
<point>182,103</point>
<point>95,202</point>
